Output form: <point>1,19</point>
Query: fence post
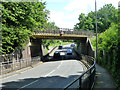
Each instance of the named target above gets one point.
<point>20,64</point>
<point>90,80</point>
<point>26,62</point>
<point>80,81</point>
<point>12,66</point>
<point>1,68</point>
<point>31,62</point>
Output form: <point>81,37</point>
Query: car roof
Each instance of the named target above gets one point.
<point>56,52</point>
<point>60,45</point>
<point>69,50</point>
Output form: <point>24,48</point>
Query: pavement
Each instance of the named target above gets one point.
<point>103,79</point>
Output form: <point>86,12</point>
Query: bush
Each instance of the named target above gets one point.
<point>108,45</point>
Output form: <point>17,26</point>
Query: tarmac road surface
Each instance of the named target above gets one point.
<point>53,74</point>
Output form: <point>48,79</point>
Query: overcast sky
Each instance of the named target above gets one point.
<point>65,13</point>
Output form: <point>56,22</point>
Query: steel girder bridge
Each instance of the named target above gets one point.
<point>63,33</point>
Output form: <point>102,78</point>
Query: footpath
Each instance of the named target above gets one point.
<point>103,79</point>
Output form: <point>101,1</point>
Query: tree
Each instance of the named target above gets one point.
<point>51,26</point>
<point>108,37</point>
<point>82,20</point>
<point>108,43</point>
<point>105,16</point>
<point>19,20</point>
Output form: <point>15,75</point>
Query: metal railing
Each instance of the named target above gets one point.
<point>14,65</point>
<point>66,32</point>
<point>86,79</point>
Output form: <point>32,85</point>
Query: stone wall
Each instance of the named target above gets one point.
<point>90,50</point>
<point>86,48</point>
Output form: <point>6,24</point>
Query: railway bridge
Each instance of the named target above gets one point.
<point>79,76</point>
<point>85,46</point>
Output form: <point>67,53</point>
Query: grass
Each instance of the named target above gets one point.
<point>65,43</point>
<point>56,43</point>
<point>59,43</point>
<point>93,42</point>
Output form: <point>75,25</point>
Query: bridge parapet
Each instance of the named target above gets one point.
<point>65,31</point>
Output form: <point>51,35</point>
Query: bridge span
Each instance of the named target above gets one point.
<point>62,34</point>
<point>85,46</point>
<point>58,74</point>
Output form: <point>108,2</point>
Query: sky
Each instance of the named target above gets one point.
<point>65,13</point>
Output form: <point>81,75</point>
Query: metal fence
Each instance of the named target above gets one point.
<point>66,32</point>
<point>10,66</point>
<point>12,62</point>
<point>86,79</point>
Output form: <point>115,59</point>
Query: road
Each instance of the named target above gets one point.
<point>52,74</point>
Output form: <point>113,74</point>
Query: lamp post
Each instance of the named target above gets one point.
<point>96,30</point>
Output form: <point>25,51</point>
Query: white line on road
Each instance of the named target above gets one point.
<point>60,65</point>
<point>53,70</point>
<point>38,79</point>
<point>27,84</point>
<point>49,73</point>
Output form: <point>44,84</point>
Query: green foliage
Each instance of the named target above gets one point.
<point>14,37</point>
<point>85,22</point>
<point>29,14</point>
<point>105,16</point>
<point>108,20</point>
<point>93,41</point>
<point>108,38</point>
<point>51,26</point>
<point>108,47</point>
<point>50,42</point>
<point>19,20</point>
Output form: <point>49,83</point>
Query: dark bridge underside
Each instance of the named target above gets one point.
<point>82,38</point>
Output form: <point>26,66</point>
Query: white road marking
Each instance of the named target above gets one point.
<point>60,64</point>
<point>27,84</point>
<point>49,73</point>
<point>54,70</point>
<point>38,79</point>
